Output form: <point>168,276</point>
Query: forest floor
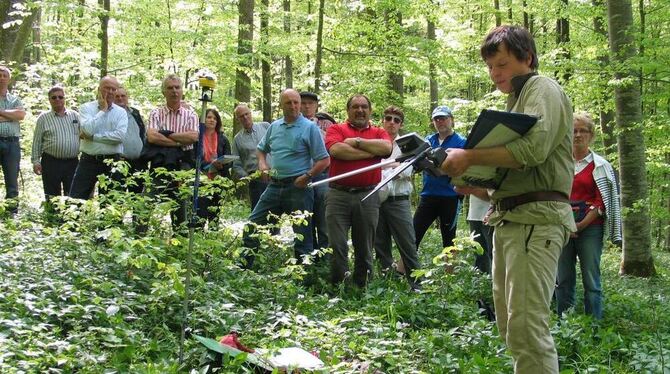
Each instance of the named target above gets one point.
<point>90,295</point>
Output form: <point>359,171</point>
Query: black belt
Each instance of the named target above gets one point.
<point>340,187</point>
<point>397,198</point>
<point>284,181</point>
<point>509,203</point>
<point>9,138</point>
<point>48,156</point>
<point>85,156</point>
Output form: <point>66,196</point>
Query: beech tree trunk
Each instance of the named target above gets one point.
<point>288,63</point>
<point>245,36</point>
<point>637,259</point>
<point>395,72</point>
<point>563,40</point>
<point>104,37</point>
<point>15,38</point>
<point>432,73</point>
<point>319,48</point>
<point>607,123</point>
<point>266,75</point>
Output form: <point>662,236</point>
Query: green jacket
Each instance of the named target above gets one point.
<point>545,153</point>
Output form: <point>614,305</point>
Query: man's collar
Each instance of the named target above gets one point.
<point>178,110</point>
<point>520,80</point>
<point>358,128</point>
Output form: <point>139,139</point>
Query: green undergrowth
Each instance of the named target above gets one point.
<point>91,296</point>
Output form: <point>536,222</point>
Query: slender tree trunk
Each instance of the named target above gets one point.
<point>432,71</point>
<point>104,37</point>
<point>637,259</point>
<point>496,6</point>
<point>288,63</point>
<point>563,41</point>
<point>526,21</point>
<point>37,36</point>
<point>319,48</point>
<point>14,38</point>
<point>607,123</point>
<point>265,62</point>
<point>245,36</point>
<point>395,73</point>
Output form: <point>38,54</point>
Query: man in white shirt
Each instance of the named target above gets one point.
<point>103,128</point>
<point>395,215</point>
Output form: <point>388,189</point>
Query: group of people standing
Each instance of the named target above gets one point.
<point>557,202</point>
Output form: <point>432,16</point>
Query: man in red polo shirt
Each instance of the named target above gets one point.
<point>352,145</point>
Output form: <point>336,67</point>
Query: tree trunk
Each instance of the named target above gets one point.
<point>104,36</point>
<point>563,40</point>
<point>526,21</point>
<point>432,73</point>
<point>288,63</point>
<point>496,6</point>
<point>607,123</point>
<point>637,259</point>
<point>319,48</point>
<point>37,36</point>
<point>13,39</point>
<point>395,72</point>
<point>245,36</point>
<point>266,75</point>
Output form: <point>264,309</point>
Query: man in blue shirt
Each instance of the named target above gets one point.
<point>438,198</point>
<point>298,154</point>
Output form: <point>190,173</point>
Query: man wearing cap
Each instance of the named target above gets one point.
<point>298,154</point>
<point>244,146</point>
<point>438,198</point>
<point>11,113</point>
<point>354,144</point>
<point>395,211</point>
<point>56,146</point>
<point>309,105</point>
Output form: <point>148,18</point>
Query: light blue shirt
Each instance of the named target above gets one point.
<point>10,128</point>
<point>293,146</point>
<point>108,129</point>
<point>132,143</point>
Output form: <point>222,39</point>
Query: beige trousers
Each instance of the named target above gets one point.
<point>525,261</point>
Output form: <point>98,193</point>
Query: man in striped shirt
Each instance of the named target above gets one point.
<point>11,113</point>
<point>56,145</point>
<point>173,127</point>
<point>103,128</point>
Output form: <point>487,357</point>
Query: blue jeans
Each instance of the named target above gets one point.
<point>281,198</point>
<point>10,158</point>
<point>588,246</point>
<point>256,189</point>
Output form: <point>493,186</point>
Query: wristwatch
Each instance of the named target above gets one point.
<point>358,142</point>
<point>309,174</point>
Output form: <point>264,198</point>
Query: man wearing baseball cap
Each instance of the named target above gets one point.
<point>309,107</point>
<point>438,198</point>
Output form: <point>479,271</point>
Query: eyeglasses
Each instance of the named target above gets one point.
<point>395,119</point>
<point>440,118</point>
<point>57,97</point>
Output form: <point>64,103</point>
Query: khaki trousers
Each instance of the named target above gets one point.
<point>525,262</point>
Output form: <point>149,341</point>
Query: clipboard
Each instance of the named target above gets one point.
<point>225,159</point>
<point>492,128</point>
